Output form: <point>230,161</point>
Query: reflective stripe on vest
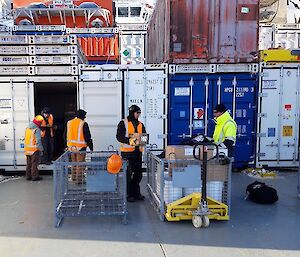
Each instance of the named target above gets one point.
<point>221,136</point>
<point>30,144</point>
<point>44,125</point>
<point>130,130</point>
<point>75,137</point>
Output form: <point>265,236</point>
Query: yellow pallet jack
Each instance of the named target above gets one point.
<point>195,207</point>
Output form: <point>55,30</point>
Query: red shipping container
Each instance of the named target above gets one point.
<point>203,31</point>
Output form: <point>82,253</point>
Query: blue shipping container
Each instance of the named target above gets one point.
<point>191,101</point>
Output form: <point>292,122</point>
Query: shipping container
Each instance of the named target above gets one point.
<point>278,124</point>
<point>203,31</point>
<point>16,60</point>
<point>21,98</point>
<point>13,40</point>
<point>286,36</point>
<point>55,60</point>
<point>99,46</point>
<point>132,47</point>
<point>143,85</point>
<point>50,28</point>
<point>194,90</point>
<point>52,40</point>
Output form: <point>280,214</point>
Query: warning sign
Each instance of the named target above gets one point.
<point>288,107</point>
<point>287,131</point>
<point>198,113</point>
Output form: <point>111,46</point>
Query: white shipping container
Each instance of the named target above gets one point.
<point>145,86</point>
<point>103,102</point>
<point>53,39</point>
<point>56,70</point>
<point>39,28</point>
<point>286,36</point>
<point>55,60</point>
<point>17,109</point>
<point>132,47</point>
<point>17,70</point>
<point>13,40</point>
<point>14,50</point>
<point>16,60</point>
<point>91,30</point>
<point>53,49</point>
<point>278,125</point>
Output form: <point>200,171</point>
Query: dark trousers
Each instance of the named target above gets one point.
<point>48,145</point>
<point>32,162</point>
<point>134,174</point>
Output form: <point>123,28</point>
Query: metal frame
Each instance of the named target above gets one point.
<point>156,178</point>
<point>73,199</point>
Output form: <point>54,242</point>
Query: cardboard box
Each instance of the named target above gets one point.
<point>217,172</point>
<point>174,152</point>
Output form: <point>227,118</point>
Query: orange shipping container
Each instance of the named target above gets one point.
<point>100,48</point>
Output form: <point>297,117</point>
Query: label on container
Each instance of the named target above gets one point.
<point>198,124</point>
<point>245,9</point>
<point>198,113</point>
<point>288,107</point>
<point>22,145</point>
<point>287,131</point>
<point>5,103</point>
<point>182,91</point>
<point>271,132</point>
<point>269,84</point>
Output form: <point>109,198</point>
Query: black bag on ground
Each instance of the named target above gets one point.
<point>259,192</point>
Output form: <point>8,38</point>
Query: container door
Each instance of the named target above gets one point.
<point>189,98</point>
<point>279,124</point>
<point>146,89</point>
<point>102,100</point>
<point>16,110</point>
<point>238,93</point>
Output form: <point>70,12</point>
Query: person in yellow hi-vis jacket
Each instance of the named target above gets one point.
<point>128,134</point>
<point>225,130</point>
<point>33,148</point>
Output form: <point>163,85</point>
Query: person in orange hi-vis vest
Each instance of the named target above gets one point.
<point>78,139</point>
<point>47,135</point>
<point>128,133</point>
<point>33,148</point>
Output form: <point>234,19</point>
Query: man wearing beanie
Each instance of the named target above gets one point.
<point>78,139</point>
<point>225,130</point>
<point>128,133</point>
<point>33,148</point>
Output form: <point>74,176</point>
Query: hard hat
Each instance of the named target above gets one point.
<point>81,114</point>
<point>38,120</point>
<point>114,164</point>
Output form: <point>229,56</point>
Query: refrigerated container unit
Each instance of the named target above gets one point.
<point>203,31</point>
<point>285,36</point>
<point>143,85</point>
<point>195,89</point>
<point>278,115</point>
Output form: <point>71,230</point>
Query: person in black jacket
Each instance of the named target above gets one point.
<point>128,134</point>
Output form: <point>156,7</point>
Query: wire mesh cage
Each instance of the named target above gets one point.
<point>83,187</point>
<point>170,180</point>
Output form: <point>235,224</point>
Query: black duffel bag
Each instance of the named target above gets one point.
<point>259,192</point>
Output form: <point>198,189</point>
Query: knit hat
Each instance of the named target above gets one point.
<point>220,108</point>
<point>81,114</point>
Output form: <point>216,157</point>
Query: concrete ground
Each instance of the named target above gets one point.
<point>26,227</point>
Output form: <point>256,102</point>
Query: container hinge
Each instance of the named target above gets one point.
<point>261,115</point>
<point>163,96</point>
<point>163,76</point>
<point>261,154</point>
<point>162,136</point>
<point>264,74</point>
<point>163,116</point>
<point>263,94</point>
<point>261,134</point>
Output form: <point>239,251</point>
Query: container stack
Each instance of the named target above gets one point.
<point>211,48</point>
<point>39,55</point>
<point>278,128</point>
